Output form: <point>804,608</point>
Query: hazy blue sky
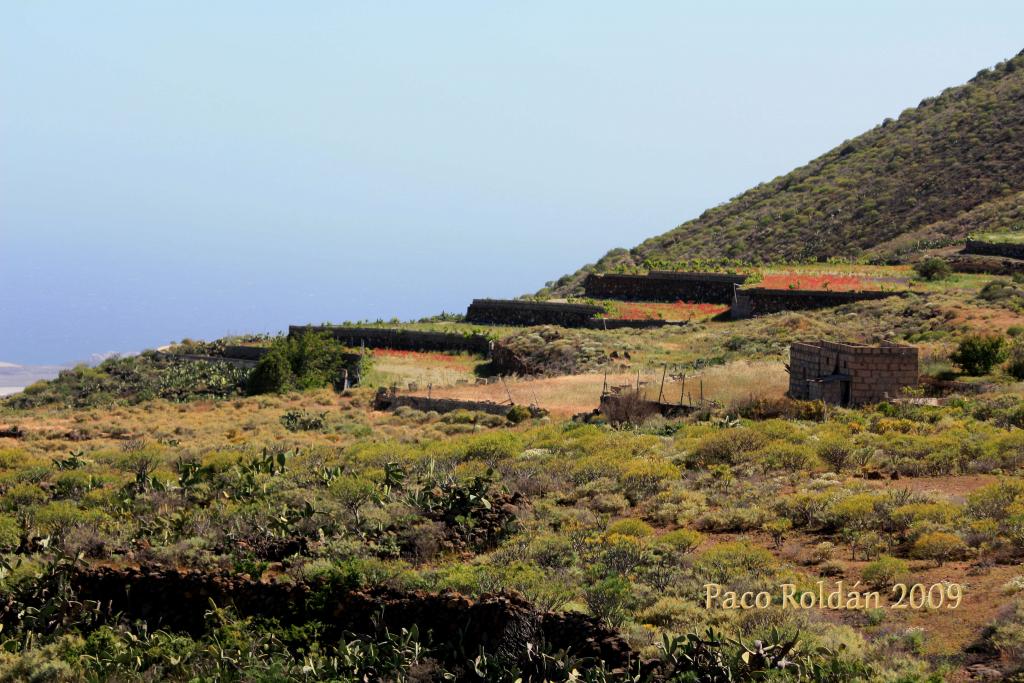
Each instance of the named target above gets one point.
<point>196,168</point>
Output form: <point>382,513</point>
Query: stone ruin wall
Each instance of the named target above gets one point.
<point>709,288</point>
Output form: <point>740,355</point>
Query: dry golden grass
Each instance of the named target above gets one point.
<point>403,367</point>
<point>572,394</point>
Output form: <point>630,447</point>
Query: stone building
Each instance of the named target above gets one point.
<point>850,374</point>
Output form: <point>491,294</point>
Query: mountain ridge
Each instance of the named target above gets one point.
<point>952,165</point>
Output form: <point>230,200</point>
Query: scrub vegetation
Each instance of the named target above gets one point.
<point>181,515</point>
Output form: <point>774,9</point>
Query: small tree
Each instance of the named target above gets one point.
<point>977,354</point>
<point>273,374</point>
<point>932,269</point>
<point>307,361</point>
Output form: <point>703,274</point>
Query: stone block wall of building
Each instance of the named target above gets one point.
<point>871,373</point>
<point>663,285</point>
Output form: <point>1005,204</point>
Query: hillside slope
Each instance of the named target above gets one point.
<point>953,164</point>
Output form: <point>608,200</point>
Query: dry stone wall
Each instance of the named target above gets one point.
<point>1005,249</point>
<point>403,340</point>
<point>992,265</point>
<point>532,313</point>
<point>245,352</point>
<point>662,285</point>
<point>390,400</point>
<point>528,313</point>
<point>758,301</point>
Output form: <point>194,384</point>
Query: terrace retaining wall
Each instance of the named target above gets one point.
<point>399,339</point>
<point>991,265</point>
<point>528,313</point>
<point>1005,249</point>
<point>758,301</point>
<point>664,285</point>
<point>245,352</point>
<point>516,312</point>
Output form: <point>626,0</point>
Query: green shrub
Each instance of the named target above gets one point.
<point>735,559</point>
<point>518,414</point>
<point>608,599</point>
<point>301,421</point>
<point>727,447</point>
<point>72,485</point>
<point>1015,359</point>
<point>135,379</point>
<point>678,542</point>
<point>932,269</point>
<point>777,529</point>
<point>671,613</point>
<point>786,456</point>
<point>939,546</point>
<point>310,360</point>
<point>492,447</point>
<point>273,374</point>
<point>630,527</point>
<point>10,533</point>
<point>977,354</point>
<point>884,572</point>
<point>995,500</point>
<point>836,453</point>
<point>823,552</point>
<point>643,477</point>
<point>551,551</point>
<point>22,496</point>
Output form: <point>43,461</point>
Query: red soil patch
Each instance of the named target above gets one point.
<point>954,488</point>
<point>835,283</point>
